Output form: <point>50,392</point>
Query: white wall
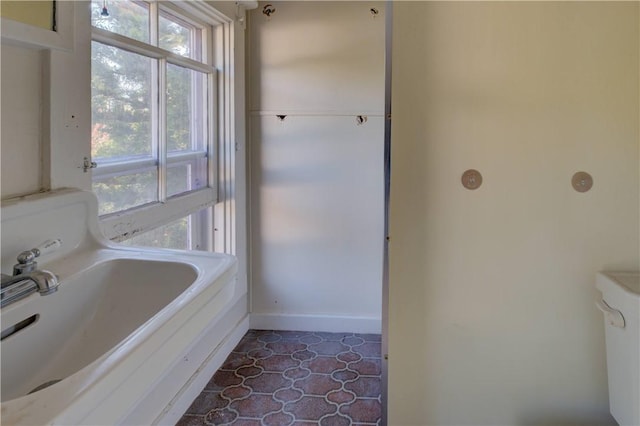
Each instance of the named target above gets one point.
<point>21,133</point>
<point>46,109</point>
<point>491,306</point>
<point>317,176</point>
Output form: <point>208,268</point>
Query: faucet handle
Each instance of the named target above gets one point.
<point>47,247</point>
<point>26,259</point>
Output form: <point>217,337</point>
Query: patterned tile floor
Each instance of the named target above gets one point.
<point>295,378</point>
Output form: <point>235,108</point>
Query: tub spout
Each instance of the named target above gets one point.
<point>18,286</point>
<point>46,281</point>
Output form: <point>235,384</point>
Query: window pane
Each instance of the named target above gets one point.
<point>185,177</point>
<point>121,103</point>
<point>128,18</point>
<point>179,37</point>
<point>126,191</point>
<point>187,233</point>
<point>186,96</point>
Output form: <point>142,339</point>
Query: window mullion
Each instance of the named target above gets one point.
<point>212,132</point>
<point>162,131</point>
<point>207,232</point>
<point>154,25</point>
<point>160,115</point>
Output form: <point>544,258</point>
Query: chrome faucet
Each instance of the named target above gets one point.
<point>27,278</point>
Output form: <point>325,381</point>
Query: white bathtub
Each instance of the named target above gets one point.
<point>130,337</point>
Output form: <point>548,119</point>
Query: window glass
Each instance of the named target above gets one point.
<point>126,191</point>
<point>186,94</point>
<point>121,103</point>
<point>127,18</point>
<point>186,176</point>
<point>179,37</point>
<point>151,118</point>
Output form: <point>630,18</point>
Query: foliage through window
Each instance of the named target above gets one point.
<point>153,79</point>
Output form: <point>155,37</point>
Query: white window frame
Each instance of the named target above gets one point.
<point>124,224</point>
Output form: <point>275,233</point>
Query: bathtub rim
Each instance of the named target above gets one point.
<point>95,381</point>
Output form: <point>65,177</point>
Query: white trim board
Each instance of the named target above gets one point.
<point>181,402</point>
<point>325,323</point>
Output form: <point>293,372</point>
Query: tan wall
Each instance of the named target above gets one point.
<point>36,13</point>
<point>492,317</point>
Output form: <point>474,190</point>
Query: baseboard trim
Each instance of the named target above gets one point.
<point>327,323</point>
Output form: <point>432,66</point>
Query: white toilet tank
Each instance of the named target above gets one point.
<point>621,307</point>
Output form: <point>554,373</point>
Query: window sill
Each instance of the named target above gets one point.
<point>126,224</point>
